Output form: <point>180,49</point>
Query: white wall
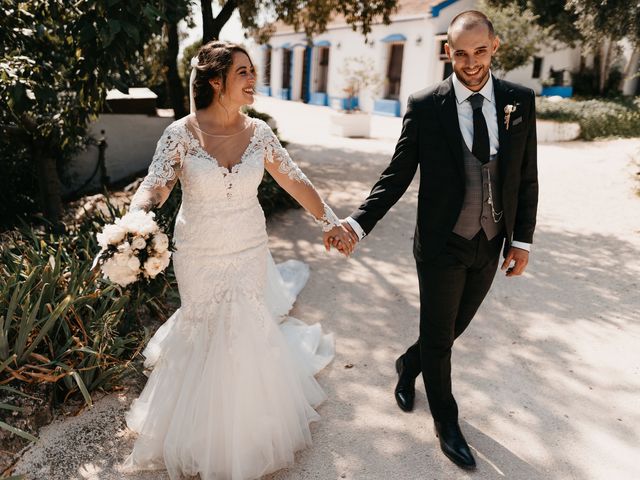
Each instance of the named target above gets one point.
<point>131,142</point>
<point>421,64</point>
<point>561,59</point>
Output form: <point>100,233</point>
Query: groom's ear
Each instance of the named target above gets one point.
<point>447,50</point>
<point>496,44</point>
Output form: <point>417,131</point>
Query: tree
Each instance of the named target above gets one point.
<point>602,25</point>
<point>551,14</point>
<point>520,36</point>
<point>174,12</point>
<point>308,16</point>
<point>598,26</point>
<point>58,62</point>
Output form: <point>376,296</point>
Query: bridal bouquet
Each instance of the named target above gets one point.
<point>132,248</point>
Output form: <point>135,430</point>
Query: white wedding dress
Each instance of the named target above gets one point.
<point>232,389</point>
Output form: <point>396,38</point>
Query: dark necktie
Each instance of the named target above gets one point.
<point>480,133</point>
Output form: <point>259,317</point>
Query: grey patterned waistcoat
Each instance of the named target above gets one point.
<point>476,211</point>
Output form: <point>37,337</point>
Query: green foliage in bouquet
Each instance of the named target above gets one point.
<point>598,118</point>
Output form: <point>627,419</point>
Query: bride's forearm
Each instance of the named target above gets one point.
<point>309,198</point>
<point>146,199</point>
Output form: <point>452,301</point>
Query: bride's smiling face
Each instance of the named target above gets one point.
<point>240,82</point>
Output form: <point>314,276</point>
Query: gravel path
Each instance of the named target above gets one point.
<point>547,376</point>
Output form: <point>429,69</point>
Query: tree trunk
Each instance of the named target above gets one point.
<point>49,184</point>
<point>174,82</point>
<point>629,78</point>
<point>606,52</point>
<point>211,26</point>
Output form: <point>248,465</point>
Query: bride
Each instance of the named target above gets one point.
<point>232,392</point>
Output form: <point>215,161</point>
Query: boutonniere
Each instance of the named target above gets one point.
<point>508,110</point>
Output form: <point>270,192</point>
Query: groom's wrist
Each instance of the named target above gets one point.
<point>521,245</point>
<point>356,228</point>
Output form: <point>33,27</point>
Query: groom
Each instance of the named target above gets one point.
<point>474,138</point>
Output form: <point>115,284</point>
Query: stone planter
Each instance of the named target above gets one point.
<point>551,131</point>
<point>354,124</point>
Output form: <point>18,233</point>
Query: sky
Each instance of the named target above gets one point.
<point>232,30</point>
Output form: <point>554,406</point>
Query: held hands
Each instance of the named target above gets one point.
<point>520,259</point>
<point>342,238</point>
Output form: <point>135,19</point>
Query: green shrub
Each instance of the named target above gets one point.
<point>18,184</point>
<point>60,323</point>
<point>598,118</point>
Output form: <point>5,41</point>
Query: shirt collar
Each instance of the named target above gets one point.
<point>463,93</point>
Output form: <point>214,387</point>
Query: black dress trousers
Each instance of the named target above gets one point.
<point>452,287</point>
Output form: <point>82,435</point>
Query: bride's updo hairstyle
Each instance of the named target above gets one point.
<point>214,61</point>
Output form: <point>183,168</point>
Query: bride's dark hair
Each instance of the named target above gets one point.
<point>214,61</point>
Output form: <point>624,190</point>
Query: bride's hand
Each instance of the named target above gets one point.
<point>340,238</point>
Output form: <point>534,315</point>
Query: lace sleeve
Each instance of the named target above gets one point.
<point>289,176</point>
<point>164,171</point>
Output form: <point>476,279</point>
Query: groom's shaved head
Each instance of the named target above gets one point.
<point>468,21</point>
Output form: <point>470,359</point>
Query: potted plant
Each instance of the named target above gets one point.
<point>358,74</point>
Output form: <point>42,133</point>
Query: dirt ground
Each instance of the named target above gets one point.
<point>546,377</point>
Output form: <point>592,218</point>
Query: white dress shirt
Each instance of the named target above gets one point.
<point>465,119</point>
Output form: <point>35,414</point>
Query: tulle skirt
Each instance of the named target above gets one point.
<point>232,389</point>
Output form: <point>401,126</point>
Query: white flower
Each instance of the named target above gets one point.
<point>134,263</point>
<point>160,242</point>
<point>124,267</point>
<point>153,266</point>
<point>121,258</point>
<point>125,247</point>
<point>165,257</point>
<point>119,273</point>
<point>138,243</point>
<point>111,235</point>
<point>139,222</point>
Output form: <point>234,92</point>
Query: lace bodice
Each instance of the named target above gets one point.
<point>207,185</point>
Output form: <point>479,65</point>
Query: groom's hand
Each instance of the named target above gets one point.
<point>520,259</point>
<point>341,239</point>
<point>352,240</point>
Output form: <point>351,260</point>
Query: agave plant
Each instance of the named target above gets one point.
<point>59,322</point>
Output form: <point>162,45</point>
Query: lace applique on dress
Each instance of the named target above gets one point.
<point>167,159</point>
<point>164,170</point>
<point>275,152</point>
<point>329,220</point>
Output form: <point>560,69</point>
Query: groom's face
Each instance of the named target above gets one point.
<point>470,52</point>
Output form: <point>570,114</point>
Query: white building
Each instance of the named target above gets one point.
<point>408,53</point>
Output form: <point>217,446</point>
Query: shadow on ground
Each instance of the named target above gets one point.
<point>546,376</point>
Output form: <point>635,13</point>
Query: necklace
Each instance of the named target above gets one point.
<point>221,136</point>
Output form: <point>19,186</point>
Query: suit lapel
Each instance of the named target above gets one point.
<point>502,100</point>
<point>446,101</point>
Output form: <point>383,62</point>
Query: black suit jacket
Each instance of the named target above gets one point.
<point>431,139</point>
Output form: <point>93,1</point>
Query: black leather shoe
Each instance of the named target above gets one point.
<point>405,391</point>
<point>453,444</point>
